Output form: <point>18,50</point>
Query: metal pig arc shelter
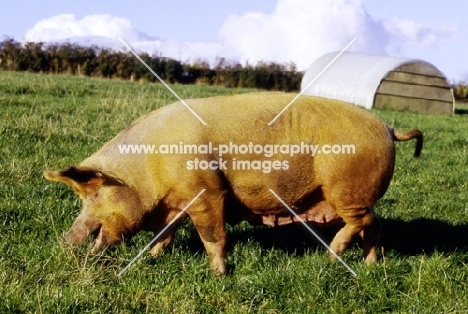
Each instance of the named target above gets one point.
<point>381,82</point>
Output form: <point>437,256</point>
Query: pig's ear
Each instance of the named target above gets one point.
<point>82,176</point>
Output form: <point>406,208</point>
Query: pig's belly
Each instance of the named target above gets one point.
<point>259,206</point>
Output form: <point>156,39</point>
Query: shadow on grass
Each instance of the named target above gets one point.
<point>461,111</point>
<point>292,239</point>
<point>404,237</point>
<point>423,235</point>
<point>407,238</point>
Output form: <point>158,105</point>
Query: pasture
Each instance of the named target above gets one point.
<point>51,122</point>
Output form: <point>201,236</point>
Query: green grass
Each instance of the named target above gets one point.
<point>50,122</point>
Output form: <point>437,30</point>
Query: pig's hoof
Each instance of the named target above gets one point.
<point>219,268</point>
<point>157,250</point>
<point>220,273</point>
<point>332,257</point>
<point>370,260</point>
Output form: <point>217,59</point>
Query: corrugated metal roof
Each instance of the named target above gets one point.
<point>353,77</point>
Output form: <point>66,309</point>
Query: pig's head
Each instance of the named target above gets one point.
<point>111,209</point>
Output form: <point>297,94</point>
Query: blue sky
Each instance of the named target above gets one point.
<point>283,31</point>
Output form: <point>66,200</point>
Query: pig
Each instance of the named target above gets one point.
<point>123,192</point>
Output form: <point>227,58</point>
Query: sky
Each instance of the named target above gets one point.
<point>249,31</point>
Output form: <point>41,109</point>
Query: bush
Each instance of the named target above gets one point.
<point>67,58</point>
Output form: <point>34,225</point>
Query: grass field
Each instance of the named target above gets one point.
<point>51,122</point>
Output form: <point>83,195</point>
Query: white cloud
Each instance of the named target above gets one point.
<point>411,31</point>
<point>94,27</point>
<point>296,31</point>
<point>302,30</point>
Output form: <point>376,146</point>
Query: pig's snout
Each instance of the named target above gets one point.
<point>75,237</point>
<point>102,238</point>
<point>81,229</point>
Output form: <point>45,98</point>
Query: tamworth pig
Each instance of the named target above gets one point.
<point>124,192</point>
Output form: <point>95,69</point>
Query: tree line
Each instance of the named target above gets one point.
<point>94,61</point>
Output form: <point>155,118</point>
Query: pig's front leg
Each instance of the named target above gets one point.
<point>164,241</point>
<point>208,217</point>
<point>166,238</point>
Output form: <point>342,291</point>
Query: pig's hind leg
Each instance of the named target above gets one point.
<point>360,221</point>
<point>370,236</point>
